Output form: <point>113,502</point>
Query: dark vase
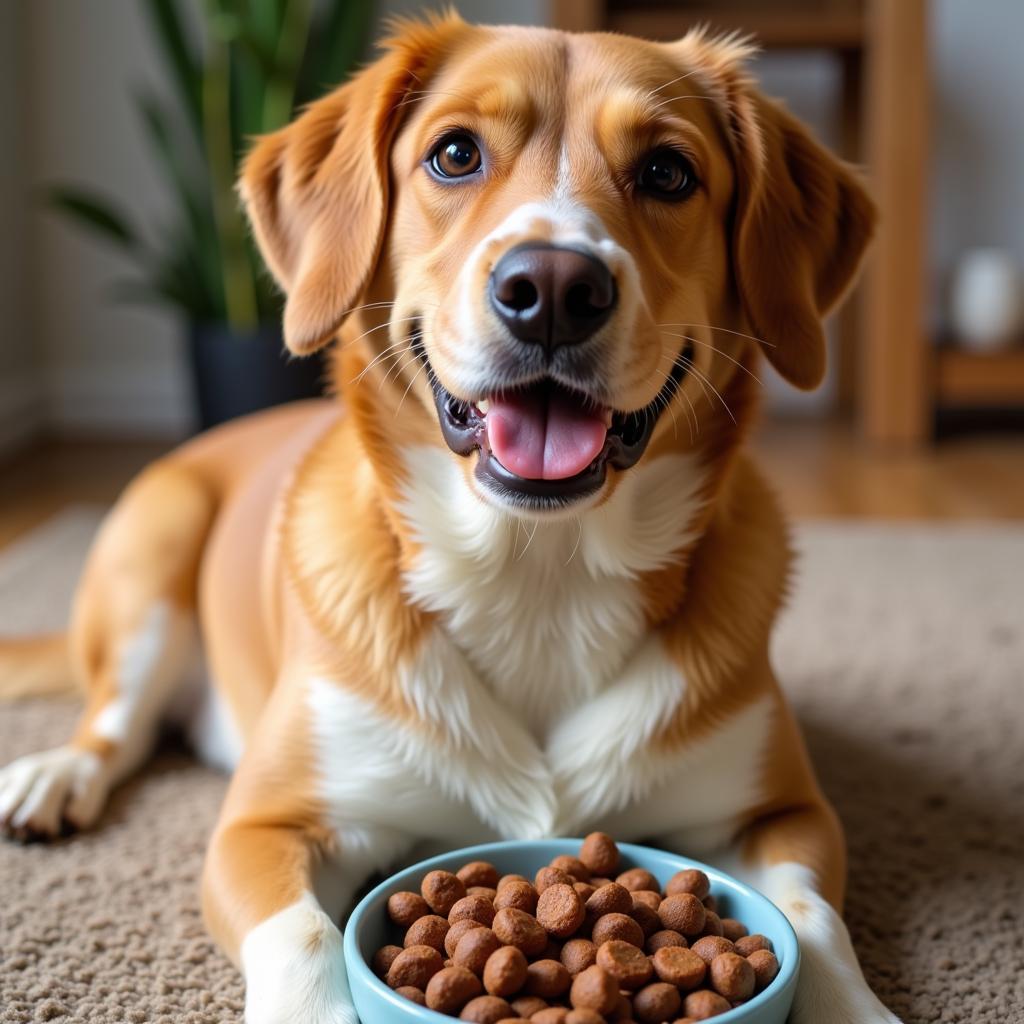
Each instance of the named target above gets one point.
<point>242,372</point>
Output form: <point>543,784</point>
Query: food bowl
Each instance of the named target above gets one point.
<point>368,926</point>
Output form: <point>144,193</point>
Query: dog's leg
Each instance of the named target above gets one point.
<point>797,860</point>
<point>133,639</point>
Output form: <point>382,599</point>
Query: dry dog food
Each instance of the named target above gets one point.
<point>584,942</point>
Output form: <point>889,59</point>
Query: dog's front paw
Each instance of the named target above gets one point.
<point>41,793</point>
<point>295,971</point>
<point>831,990</point>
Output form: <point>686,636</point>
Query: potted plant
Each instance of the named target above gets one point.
<point>257,61</point>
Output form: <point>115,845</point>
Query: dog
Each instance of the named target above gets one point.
<point>517,579</point>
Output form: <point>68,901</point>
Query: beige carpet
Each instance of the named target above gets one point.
<point>904,653</point>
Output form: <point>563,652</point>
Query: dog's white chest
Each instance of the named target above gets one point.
<point>548,612</point>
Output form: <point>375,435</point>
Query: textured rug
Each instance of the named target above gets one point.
<point>902,649</point>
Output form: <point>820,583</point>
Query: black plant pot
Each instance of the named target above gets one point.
<point>242,372</point>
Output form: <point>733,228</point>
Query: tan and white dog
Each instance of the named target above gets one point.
<point>518,578</point>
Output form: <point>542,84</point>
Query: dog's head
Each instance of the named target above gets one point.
<point>570,236</point>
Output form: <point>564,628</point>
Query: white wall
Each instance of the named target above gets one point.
<point>107,366</point>
<point>21,412</point>
<point>82,363</point>
<point>978,129</point>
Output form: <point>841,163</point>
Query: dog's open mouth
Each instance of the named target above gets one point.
<point>546,443</point>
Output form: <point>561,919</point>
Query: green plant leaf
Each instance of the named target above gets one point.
<point>95,213</point>
<point>182,61</point>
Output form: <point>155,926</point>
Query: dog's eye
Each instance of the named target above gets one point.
<point>667,175</point>
<point>455,156</point>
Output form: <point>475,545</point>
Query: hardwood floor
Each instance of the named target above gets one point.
<point>819,469</point>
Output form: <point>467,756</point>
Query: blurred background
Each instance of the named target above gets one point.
<point>129,296</point>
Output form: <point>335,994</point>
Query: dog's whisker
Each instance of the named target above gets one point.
<point>672,81</point>
<point>724,355</point>
<point>579,537</point>
<point>408,387</point>
<point>727,330</point>
<point>692,368</point>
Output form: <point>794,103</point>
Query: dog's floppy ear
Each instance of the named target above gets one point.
<point>316,192</point>
<point>803,220</point>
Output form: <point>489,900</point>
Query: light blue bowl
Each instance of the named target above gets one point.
<point>368,926</point>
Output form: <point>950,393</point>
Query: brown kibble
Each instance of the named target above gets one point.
<point>578,955</point>
<point>442,890</point>
<point>732,976</point>
<point>657,1003</point>
<point>682,913</point>
<point>547,978</point>
<point>450,989</point>
<point>383,959</point>
<point>414,995</point>
<point>609,899</point>
<point>584,890</point>
<point>617,926</point>
<point>478,872</point>
<point>599,882</point>
<point>712,923</point>
<point>600,854</point>
<point>474,948</point>
<point>679,966</point>
<point>666,937</point>
<point>594,989</point>
<point>486,1010</point>
<point>583,1016</point>
<point>427,931</point>
<point>624,1011</point>
<point>636,879</point>
<point>560,910</point>
<point>551,1015</point>
<point>710,903</point>
<point>552,951</point>
<point>690,880</point>
<point>766,967</point>
<point>645,917</point>
<point>516,928</point>
<point>406,907</point>
<point>472,908</point>
<point>514,1020</point>
<point>456,931</point>
<point>648,897</point>
<point>629,966</point>
<point>527,1006</point>
<point>711,946</point>
<point>704,1004</point>
<point>733,929</point>
<point>572,866</point>
<point>750,943</point>
<point>414,967</point>
<point>505,971</point>
<point>505,879</point>
<point>551,876</point>
<point>520,895</point>
<point>482,890</point>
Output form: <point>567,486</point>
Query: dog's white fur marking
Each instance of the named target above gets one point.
<point>546,613</point>
<point>832,987</point>
<point>294,969</point>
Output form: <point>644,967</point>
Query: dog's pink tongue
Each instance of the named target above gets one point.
<point>544,434</point>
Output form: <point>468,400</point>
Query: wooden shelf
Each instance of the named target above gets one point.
<point>979,379</point>
<point>839,30</point>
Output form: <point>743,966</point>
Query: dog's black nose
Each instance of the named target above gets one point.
<point>551,296</point>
